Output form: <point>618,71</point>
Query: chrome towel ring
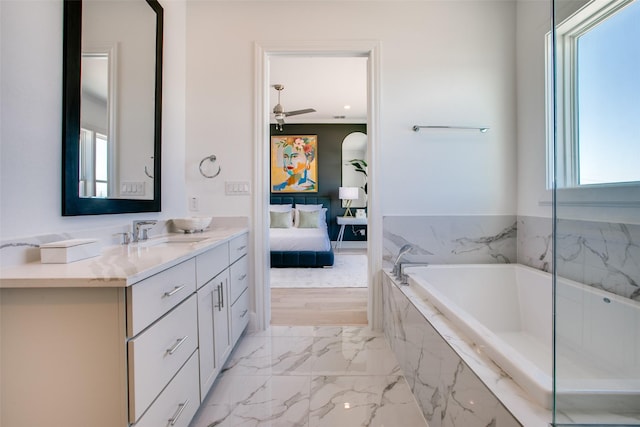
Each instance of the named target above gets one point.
<point>212,158</point>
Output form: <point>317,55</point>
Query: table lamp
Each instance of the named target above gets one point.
<point>349,194</point>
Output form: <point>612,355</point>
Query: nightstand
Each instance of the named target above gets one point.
<point>344,221</point>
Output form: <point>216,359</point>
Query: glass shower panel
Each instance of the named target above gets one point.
<point>596,221</point>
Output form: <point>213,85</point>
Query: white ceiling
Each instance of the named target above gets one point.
<point>326,84</point>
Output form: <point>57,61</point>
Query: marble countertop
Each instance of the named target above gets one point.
<point>119,266</point>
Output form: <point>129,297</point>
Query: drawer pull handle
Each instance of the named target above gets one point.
<point>218,293</point>
<point>173,420</point>
<point>244,276</point>
<point>174,291</point>
<point>221,295</point>
<point>244,313</point>
<point>241,248</point>
<point>177,345</point>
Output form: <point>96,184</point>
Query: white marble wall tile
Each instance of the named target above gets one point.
<point>600,254</point>
<point>535,242</point>
<point>451,239</point>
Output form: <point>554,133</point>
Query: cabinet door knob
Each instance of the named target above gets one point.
<point>242,277</point>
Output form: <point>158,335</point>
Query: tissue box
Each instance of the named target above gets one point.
<point>66,251</point>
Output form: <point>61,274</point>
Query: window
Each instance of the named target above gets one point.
<point>598,96</point>
<point>94,155</point>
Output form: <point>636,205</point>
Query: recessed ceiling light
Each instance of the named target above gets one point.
<point>347,107</point>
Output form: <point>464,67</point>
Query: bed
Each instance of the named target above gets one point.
<point>294,238</point>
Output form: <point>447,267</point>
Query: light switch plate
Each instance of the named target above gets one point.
<point>236,188</point>
<point>130,188</point>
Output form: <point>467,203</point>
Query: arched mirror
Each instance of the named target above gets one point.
<point>354,166</point>
<point>112,99</point>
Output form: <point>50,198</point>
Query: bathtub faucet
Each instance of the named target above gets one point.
<point>404,277</point>
<point>402,252</point>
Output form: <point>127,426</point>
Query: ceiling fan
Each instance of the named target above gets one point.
<point>279,112</point>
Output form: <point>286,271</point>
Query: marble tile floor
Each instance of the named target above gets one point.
<point>311,376</point>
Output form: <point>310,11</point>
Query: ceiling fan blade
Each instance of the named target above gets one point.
<point>297,112</point>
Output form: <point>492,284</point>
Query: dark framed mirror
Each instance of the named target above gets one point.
<point>112,107</point>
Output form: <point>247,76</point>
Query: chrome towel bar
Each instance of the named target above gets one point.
<point>416,128</point>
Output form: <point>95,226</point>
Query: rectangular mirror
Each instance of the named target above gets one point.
<point>112,106</point>
<point>354,167</point>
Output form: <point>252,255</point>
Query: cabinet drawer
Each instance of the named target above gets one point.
<point>149,299</point>
<point>239,316</point>
<point>211,263</point>
<point>238,247</point>
<point>179,402</point>
<point>239,278</point>
<point>157,354</point>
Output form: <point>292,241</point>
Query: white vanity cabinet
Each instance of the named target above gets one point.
<point>239,297</point>
<point>219,277</point>
<point>213,330</point>
<point>120,355</point>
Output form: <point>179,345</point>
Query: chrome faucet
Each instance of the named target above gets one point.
<point>140,229</point>
<point>402,252</point>
<point>404,277</point>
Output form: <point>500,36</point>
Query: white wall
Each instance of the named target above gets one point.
<point>441,63</point>
<point>31,117</point>
<point>533,22</point>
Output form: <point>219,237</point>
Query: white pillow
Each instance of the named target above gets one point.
<point>280,208</point>
<point>322,216</point>
<point>308,208</point>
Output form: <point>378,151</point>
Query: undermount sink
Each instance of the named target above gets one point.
<point>173,240</point>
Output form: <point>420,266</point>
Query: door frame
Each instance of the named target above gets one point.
<point>263,51</point>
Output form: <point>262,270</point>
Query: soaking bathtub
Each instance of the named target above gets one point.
<point>506,311</point>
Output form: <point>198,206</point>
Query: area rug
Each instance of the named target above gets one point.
<point>348,271</point>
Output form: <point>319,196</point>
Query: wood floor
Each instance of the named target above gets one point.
<point>319,306</point>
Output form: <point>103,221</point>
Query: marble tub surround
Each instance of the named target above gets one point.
<point>454,382</point>
<point>311,376</point>
<point>600,254</point>
<point>451,239</point>
<point>535,242</point>
<point>118,265</point>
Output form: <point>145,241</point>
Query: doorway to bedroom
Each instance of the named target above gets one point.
<point>324,102</point>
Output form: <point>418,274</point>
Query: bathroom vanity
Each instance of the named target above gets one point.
<point>134,337</point>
